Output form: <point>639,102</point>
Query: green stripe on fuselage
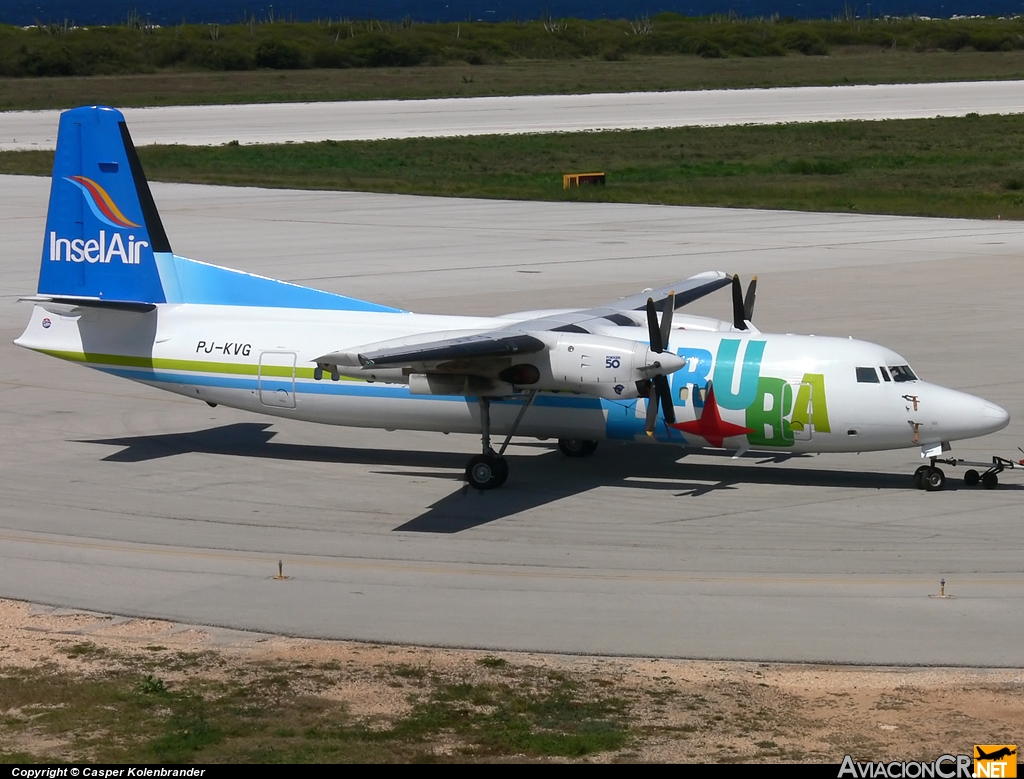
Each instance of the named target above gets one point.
<point>196,366</point>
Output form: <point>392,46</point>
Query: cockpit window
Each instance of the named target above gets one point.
<point>884,372</point>
<point>867,376</point>
<point>902,373</point>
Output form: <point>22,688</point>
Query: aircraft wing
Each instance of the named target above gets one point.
<point>687,291</point>
<point>623,309</point>
<point>464,352</point>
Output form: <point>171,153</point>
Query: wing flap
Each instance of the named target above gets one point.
<point>484,345</point>
<point>472,348</point>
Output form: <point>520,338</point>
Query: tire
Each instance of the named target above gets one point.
<point>919,475</point>
<point>989,481</point>
<point>572,447</point>
<point>486,472</point>
<point>501,470</point>
<point>934,480</point>
<point>971,478</point>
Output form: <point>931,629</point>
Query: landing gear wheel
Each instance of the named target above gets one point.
<point>934,480</point>
<point>486,471</point>
<point>971,478</point>
<point>989,480</point>
<point>572,447</point>
<point>919,475</point>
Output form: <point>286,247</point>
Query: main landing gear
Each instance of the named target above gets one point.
<point>573,447</point>
<point>489,470</point>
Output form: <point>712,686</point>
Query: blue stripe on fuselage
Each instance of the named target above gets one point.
<point>332,388</point>
<point>622,423</point>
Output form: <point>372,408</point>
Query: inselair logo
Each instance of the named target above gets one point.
<point>99,249</point>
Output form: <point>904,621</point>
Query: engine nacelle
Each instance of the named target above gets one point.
<point>603,366</point>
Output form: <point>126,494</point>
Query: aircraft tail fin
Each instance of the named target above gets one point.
<point>103,231</point>
<point>105,243</point>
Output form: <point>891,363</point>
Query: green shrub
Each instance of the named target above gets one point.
<point>805,42</point>
<point>280,55</point>
<point>379,50</point>
<point>63,50</point>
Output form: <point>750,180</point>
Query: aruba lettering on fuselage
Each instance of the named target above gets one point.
<point>778,411</point>
<point>96,250</point>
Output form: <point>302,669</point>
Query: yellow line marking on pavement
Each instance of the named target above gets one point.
<point>502,569</point>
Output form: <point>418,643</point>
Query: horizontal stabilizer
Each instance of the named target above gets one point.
<point>65,304</point>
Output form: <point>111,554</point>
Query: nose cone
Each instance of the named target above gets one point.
<point>997,416</point>
<point>952,415</point>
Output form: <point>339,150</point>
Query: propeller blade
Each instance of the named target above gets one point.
<point>666,319</point>
<point>665,395</point>
<point>652,409</point>
<point>748,301</point>
<point>653,331</point>
<point>737,304</point>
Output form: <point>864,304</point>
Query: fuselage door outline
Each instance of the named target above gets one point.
<point>275,379</point>
<point>803,431</point>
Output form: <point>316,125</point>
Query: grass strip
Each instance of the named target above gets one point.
<point>636,73</point>
<point>123,711</point>
<point>950,167</point>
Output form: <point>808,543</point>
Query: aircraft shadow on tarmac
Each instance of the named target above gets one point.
<point>537,480</point>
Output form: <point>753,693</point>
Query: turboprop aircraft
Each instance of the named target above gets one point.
<point>113,296</point>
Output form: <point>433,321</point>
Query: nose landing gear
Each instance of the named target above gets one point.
<point>930,478</point>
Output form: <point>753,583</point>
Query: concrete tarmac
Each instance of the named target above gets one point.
<point>119,498</point>
<point>376,119</point>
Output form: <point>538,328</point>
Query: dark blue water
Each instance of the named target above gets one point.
<point>84,12</point>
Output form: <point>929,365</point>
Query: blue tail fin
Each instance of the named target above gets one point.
<point>103,231</point>
<point>104,239</point>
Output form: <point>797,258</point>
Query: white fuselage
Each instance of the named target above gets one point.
<point>794,393</point>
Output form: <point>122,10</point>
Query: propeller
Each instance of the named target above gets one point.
<point>659,391</point>
<point>743,307</point>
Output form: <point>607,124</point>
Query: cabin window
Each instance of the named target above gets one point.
<point>901,373</point>
<point>884,372</point>
<point>867,376</point>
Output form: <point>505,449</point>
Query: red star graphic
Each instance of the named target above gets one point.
<point>710,426</point>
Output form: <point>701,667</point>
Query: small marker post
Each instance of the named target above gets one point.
<point>942,592</point>
<point>280,571</point>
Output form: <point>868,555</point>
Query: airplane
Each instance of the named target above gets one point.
<point>1002,752</point>
<point>113,296</point>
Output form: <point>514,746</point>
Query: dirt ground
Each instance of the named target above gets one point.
<point>681,710</point>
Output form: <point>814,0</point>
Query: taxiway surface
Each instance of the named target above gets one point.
<point>376,119</point>
<point>118,498</point>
